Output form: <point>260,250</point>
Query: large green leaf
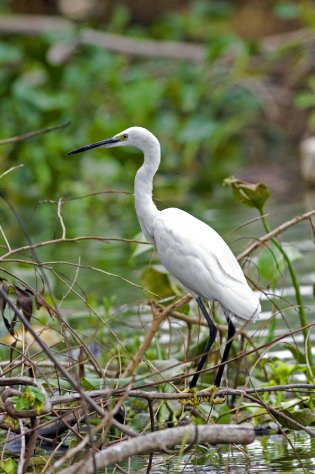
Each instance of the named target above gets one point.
<point>271,262</point>
<point>251,195</point>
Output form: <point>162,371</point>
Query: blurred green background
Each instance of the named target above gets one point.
<point>238,104</point>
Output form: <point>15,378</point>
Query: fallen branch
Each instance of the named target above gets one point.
<point>30,25</point>
<point>162,441</point>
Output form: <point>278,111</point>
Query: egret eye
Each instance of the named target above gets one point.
<point>125,136</point>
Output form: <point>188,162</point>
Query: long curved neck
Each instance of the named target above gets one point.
<point>145,208</point>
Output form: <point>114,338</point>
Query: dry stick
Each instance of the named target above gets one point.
<point>163,440</point>
<point>108,393</point>
<point>31,444</point>
<point>27,136</point>
<point>10,169</point>
<point>275,232</point>
<point>63,227</point>
<point>158,318</point>
<point>103,424</point>
<point>60,367</point>
<point>62,240</point>
<point>82,196</point>
<point>20,468</point>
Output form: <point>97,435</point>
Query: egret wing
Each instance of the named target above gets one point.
<point>201,260</point>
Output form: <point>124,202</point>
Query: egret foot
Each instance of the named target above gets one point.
<point>212,398</point>
<point>196,401</point>
<point>188,401</point>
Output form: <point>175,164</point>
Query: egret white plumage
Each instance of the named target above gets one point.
<point>189,249</point>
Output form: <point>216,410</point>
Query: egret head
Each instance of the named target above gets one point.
<point>137,137</point>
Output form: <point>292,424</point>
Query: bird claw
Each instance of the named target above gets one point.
<point>195,400</point>
<point>190,401</point>
<point>212,399</point>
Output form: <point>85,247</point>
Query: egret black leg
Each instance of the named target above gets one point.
<point>230,336</point>
<point>212,336</point>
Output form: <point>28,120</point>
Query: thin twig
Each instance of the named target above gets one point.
<point>20,469</point>
<point>63,227</point>
<point>274,233</point>
<point>52,357</point>
<point>69,240</point>
<point>158,318</point>
<point>27,136</point>
<point>5,239</point>
<point>11,169</point>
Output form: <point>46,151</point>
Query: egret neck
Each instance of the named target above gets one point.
<point>145,208</point>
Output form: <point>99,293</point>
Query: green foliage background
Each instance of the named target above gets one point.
<point>200,112</point>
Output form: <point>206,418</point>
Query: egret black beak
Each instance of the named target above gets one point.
<point>102,144</point>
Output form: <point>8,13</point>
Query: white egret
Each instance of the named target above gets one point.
<point>189,249</point>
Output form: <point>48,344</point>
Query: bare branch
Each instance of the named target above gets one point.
<point>108,393</point>
<point>274,233</point>
<point>74,239</point>
<point>163,440</point>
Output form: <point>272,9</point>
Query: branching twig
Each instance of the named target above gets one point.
<point>36,245</point>
<point>51,356</point>
<point>108,393</point>
<point>278,230</point>
<point>158,317</point>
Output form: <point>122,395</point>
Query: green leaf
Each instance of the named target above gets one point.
<point>271,262</point>
<point>250,195</point>
<point>88,384</point>
<point>305,417</point>
<point>31,398</point>
<point>296,352</point>
<point>157,282</point>
<point>8,466</point>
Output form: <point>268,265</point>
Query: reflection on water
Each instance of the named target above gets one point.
<point>266,455</point>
